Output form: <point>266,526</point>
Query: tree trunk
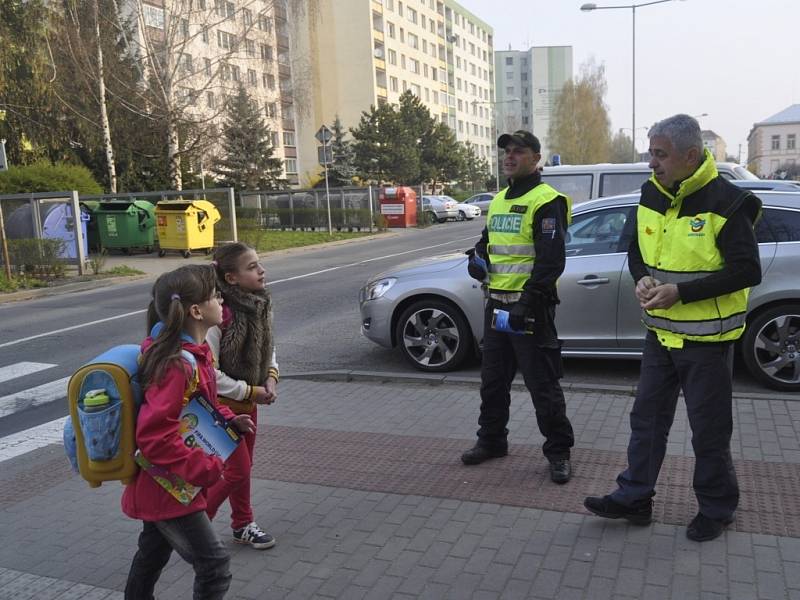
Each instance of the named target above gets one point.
<point>101,89</point>
<point>173,154</point>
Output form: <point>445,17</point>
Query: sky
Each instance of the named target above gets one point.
<point>736,60</point>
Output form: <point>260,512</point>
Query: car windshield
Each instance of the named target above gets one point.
<point>577,187</point>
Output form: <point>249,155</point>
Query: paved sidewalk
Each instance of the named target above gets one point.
<point>361,483</point>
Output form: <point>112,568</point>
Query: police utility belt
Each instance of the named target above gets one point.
<point>506,297</point>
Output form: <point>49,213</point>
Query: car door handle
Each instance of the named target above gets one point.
<point>593,280</point>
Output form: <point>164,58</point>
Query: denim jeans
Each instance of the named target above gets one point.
<point>192,537</point>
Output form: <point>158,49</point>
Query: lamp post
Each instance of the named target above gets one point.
<point>592,6</point>
<point>494,104</point>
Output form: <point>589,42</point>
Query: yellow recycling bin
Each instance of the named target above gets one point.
<point>186,225</point>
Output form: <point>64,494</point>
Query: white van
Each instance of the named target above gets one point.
<point>584,182</point>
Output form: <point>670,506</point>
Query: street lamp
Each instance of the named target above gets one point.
<point>494,104</point>
<point>592,6</point>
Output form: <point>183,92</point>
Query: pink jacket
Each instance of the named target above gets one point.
<point>159,441</point>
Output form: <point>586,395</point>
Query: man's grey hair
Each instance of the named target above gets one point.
<point>683,131</point>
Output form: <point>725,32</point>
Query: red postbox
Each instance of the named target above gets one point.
<point>399,206</point>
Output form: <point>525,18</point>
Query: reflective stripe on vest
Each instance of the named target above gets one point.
<point>696,328</point>
<point>510,225</point>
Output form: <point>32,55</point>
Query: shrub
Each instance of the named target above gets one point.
<point>37,257</point>
<point>46,177</point>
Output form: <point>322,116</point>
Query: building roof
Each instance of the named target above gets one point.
<point>708,133</point>
<point>787,115</point>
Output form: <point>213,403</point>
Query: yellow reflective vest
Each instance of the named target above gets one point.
<point>510,226</point>
<point>679,244</point>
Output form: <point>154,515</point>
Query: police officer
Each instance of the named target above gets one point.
<point>694,258</point>
<point>521,255</point>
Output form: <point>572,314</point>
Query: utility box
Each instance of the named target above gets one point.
<point>399,206</point>
<point>186,225</point>
<point>126,224</point>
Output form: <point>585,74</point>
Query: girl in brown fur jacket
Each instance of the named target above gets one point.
<point>247,376</point>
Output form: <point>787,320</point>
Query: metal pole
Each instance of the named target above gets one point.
<point>633,89</point>
<point>371,218</point>
<point>327,189</point>
<point>232,210</point>
<point>6,259</point>
<point>76,212</point>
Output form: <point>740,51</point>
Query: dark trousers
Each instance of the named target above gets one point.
<point>541,368</point>
<point>192,537</point>
<point>703,372</point>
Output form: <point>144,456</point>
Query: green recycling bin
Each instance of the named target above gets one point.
<point>126,224</point>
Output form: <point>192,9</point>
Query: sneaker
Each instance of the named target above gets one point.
<point>560,470</point>
<point>704,529</point>
<point>478,454</point>
<point>640,514</point>
<point>252,535</point>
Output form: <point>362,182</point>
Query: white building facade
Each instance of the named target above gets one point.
<point>773,143</point>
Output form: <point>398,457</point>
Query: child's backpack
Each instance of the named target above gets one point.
<point>104,396</point>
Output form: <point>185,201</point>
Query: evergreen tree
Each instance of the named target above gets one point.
<point>441,155</point>
<point>342,170</point>
<point>476,169</point>
<point>383,150</point>
<point>248,162</point>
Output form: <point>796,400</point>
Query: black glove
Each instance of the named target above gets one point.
<point>475,269</point>
<point>518,314</point>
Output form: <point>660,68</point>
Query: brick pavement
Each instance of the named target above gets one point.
<point>360,483</point>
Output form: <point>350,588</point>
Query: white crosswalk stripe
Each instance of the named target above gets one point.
<point>32,439</point>
<point>35,396</point>
<point>21,369</point>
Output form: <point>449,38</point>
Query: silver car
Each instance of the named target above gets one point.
<point>433,311</point>
<point>438,209</point>
<point>481,200</point>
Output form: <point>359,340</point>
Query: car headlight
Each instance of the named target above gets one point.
<point>376,289</point>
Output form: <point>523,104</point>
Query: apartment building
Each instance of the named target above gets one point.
<point>527,84</point>
<point>212,47</point>
<point>772,143</point>
<point>350,55</point>
<point>715,144</point>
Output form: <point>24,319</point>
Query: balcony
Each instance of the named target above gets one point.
<point>380,64</point>
<point>284,70</point>
<point>282,40</point>
<point>280,11</point>
<point>289,152</point>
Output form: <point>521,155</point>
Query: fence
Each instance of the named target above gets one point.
<point>40,231</point>
<point>351,208</point>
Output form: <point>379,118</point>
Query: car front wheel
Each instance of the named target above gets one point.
<point>461,216</point>
<point>433,335</point>
<point>771,347</point>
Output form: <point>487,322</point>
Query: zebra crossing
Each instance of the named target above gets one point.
<point>42,435</point>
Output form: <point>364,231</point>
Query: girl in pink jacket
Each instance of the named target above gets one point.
<point>185,305</point>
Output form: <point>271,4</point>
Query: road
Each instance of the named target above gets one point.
<point>316,315</point>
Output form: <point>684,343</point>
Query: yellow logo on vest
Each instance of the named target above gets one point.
<point>696,226</point>
<point>506,223</point>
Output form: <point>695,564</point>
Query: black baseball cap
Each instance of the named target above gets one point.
<point>520,138</point>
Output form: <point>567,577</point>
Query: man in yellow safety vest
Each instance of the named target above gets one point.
<point>694,257</point>
<point>521,255</point>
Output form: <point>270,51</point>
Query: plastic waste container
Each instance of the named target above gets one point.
<point>57,223</point>
<point>126,224</point>
<point>186,225</point>
<point>399,206</point>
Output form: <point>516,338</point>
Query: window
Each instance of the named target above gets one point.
<point>250,47</point>
<point>264,23</point>
<point>291,165</point>
<point>266,53</point>
<point>413,41</point>
<point>392,57</point>
<point>413,65</point>
<point>509,60</point>
<point>411,14</point>
<point>791,141</point>
<point>186,63</point>
<point>270,82</point>
<point>224,71</point>
<point>510,75</point>
<point>252,78</point>
<point>153,16</point>
<point>201,4</point>
<point>598,232</point>
<point>776,142</point>
<point>210,100</point>
<point>400,8</point>
<point>577,187</point>
<point>510,90</point>
<point>247,17</point>
<point>185,28</point>
<point>612,184</point>
<point>226,40</point>
<point>393,84</point>
<point>207,66</point>
<point>402,61</point>
<point>778,225</point>
<point>230,10</point>
<point>390,29</point>
<point>236,73</point>
<point>271,110</point>
<point>204,34</point>
<point>288,138</point>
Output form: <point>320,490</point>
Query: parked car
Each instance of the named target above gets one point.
<point>433,311</point>
<point>481,200</point>
<point>467,211</point>
<point>778,185</point>
<point>585,182</point>
<point>438,209</point>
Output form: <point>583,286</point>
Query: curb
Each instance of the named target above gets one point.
<point>433,379</point>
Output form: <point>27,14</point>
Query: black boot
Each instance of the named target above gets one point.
<point>478,454</point>
<point>639,514</point>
